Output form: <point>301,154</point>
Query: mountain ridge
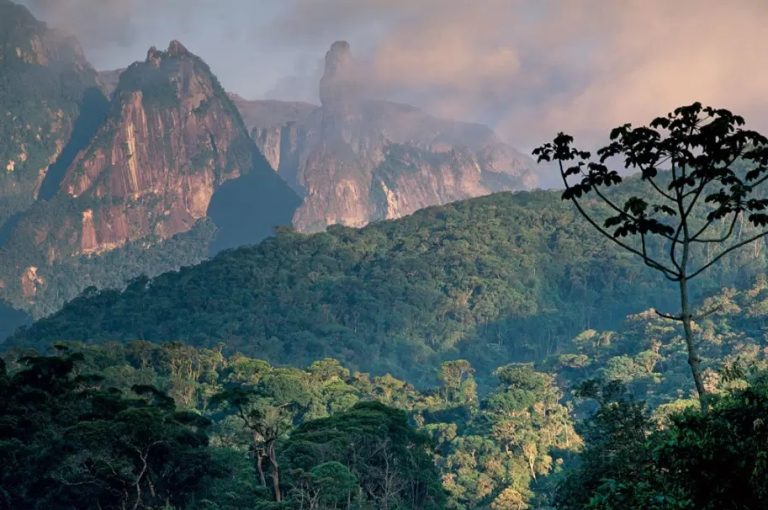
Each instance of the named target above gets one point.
<point>170,140</point>
<point>44,77</point>
<point>483,279</point>
<point>344,156</point>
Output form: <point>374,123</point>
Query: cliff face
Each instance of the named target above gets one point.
<point>364,161</point>
<point>356,160</point>
<point>171,139</point>
<point>43,81</point>
<point>279,129</point>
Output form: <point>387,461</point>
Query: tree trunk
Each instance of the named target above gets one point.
<point>260,467</point>
<point>275,472</point>
<point>693,356</point>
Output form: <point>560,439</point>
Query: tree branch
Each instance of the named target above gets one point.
<point>726,252</point>
<point>719,240</point>
<point>668,273</point>
<point>668,316</point>
<point>622,211</point>
<point>659,190</point>
<point>709,312</point>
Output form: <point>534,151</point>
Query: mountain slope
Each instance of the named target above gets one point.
<point>499,278</point>
<point>44,83</point>
<point>356,160</point>
<point>149,175</point>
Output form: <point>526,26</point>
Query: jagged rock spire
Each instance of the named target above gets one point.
<point>176,49</point>
<point>337,82</point>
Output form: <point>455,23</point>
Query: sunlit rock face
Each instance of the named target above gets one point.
<point>356,160</point>
<point>171,139</point>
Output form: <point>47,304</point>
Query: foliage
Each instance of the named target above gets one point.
<point>118,268</point>
<point>512,445</point>
<point>66,440</point>
<point>485,280</point>
<point>715,167</point>
<point>389,461</point>
<point>648,353</point>
<point>701,460</point>
<point>321,437</point>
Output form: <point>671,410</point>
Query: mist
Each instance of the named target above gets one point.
<point>527,68</point>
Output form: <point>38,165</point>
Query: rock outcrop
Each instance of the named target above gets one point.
<point>356,160</point>
<point>44,80</point>
<point>277,128</point>
<point>171,139</point>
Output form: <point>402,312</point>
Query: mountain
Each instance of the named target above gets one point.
<point>493,279</point>
<point>46,85</point>
<point>145,169</point>
<point>356,160</point>
<point>169,176</point>
<point>279,129</point>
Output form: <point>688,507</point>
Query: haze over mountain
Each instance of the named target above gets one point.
<point>526,68</point>
<point>357,160</point>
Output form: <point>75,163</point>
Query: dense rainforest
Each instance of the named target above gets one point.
<point>603,415</point>
<point>489,354</point>
<point>140,425</point>
<point>507,277</point>
<point>137,424</point>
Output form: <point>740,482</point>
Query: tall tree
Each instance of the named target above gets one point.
<point>685,220</point>
<point>389,459</point>
<point>268,410</point>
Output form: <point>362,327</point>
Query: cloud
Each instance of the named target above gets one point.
<point>529,68</point>
<point>533,68</point>
<point>228,35</point>
<point>91,21</point>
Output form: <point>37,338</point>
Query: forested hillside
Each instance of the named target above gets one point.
<point>500,278</point>
<point>219,431</point>
<point>140,424</point>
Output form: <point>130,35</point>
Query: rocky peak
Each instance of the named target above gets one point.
<point>171,78</point>
<point>176,49</point>
<point>157,109</point>
<point>171,140</point>
<point>338,81</point>
<point>153,56</point>
<point>356,160</point>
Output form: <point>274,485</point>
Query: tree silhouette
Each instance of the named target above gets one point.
<point>713,169</point>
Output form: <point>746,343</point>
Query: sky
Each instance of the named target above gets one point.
<point>527,68</point>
